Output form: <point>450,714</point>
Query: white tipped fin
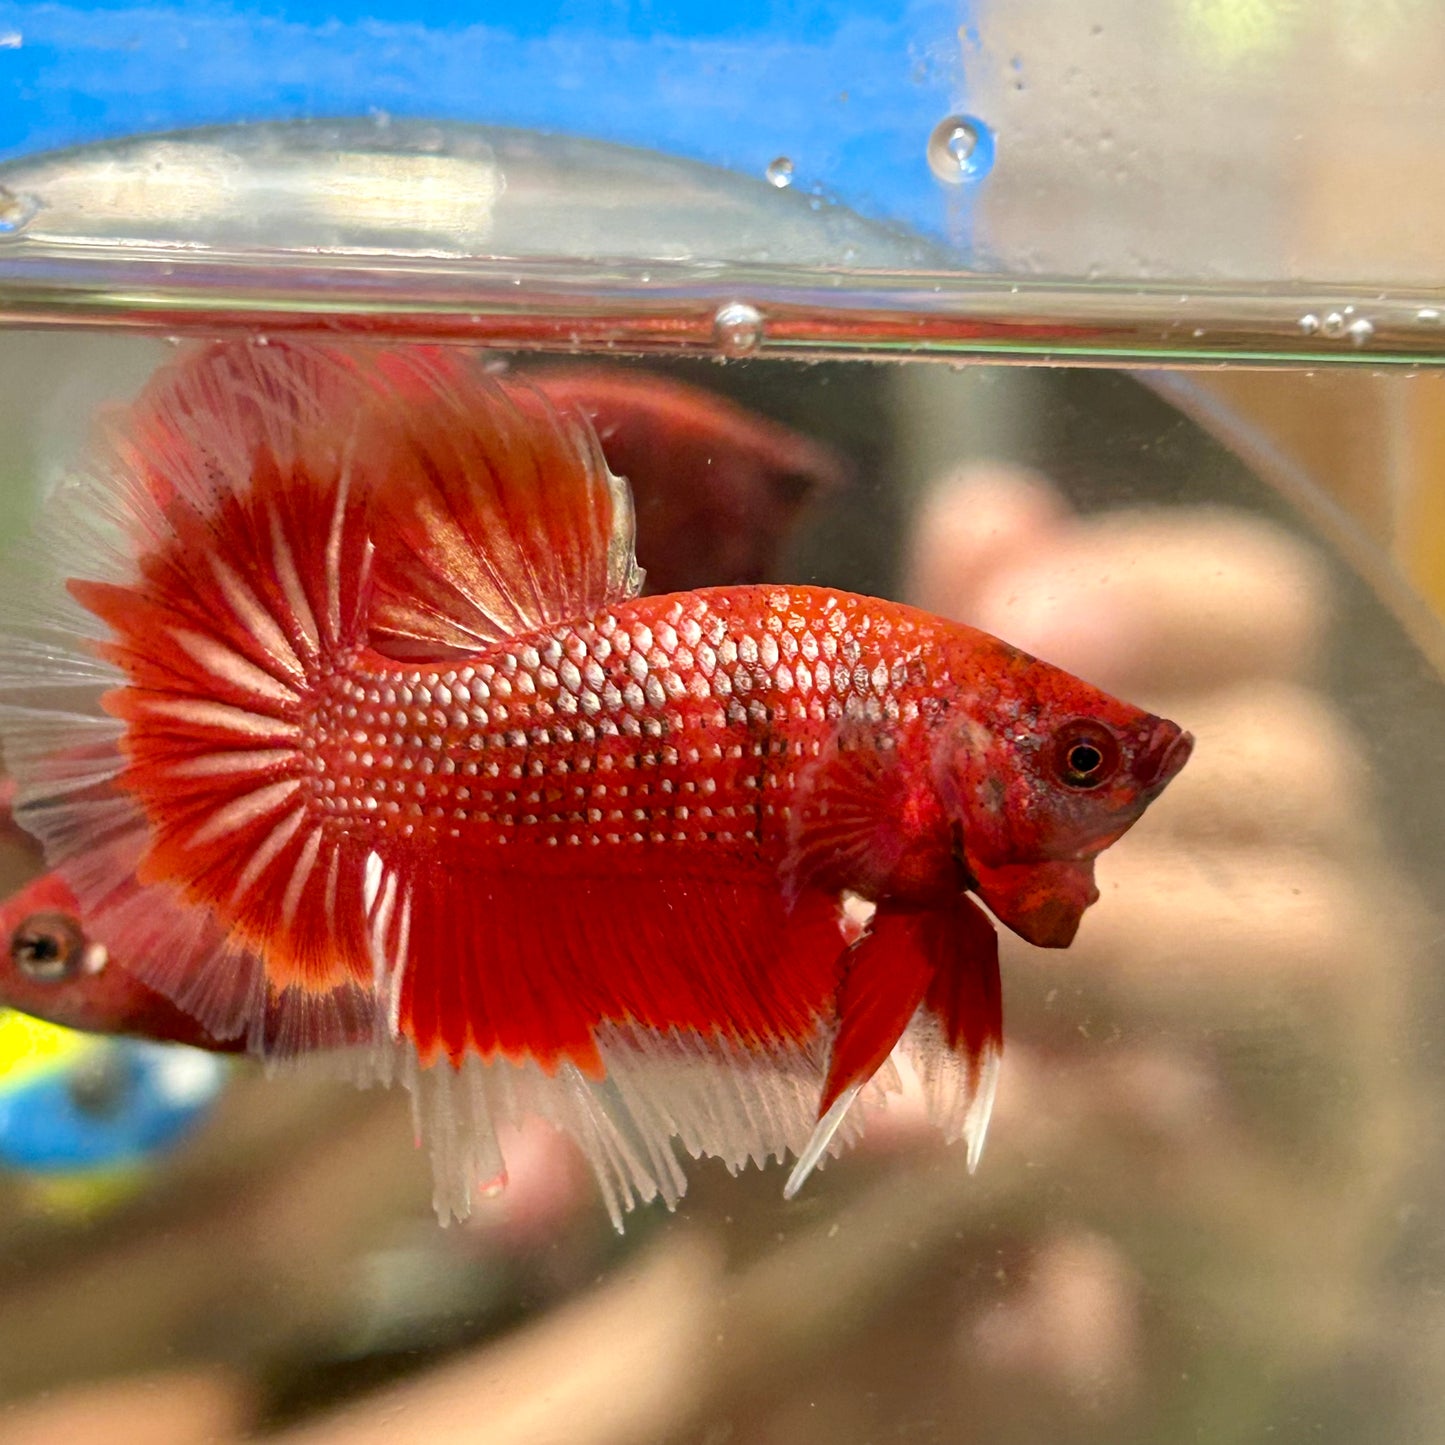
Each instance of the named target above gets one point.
<point>958,1098</point>
<point>711,1097</point>
<point>980,1108</point>
<point>822,1137</point>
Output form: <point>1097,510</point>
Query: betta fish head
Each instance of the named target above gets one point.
<point>1043,772</point>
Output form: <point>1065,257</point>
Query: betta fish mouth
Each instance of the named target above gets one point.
<point>1166,752</point>
<point>1041,902</point>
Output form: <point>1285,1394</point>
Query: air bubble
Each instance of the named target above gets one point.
<point>780,173</point>
<point>961,149</point>
<point>17,210</point>
<point>1335,325</point>
<point>1361,332</point>
<point>738,328</point>
<point>1309,323</point>
<point>1429,315</point>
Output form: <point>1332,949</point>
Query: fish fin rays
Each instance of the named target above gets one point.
<point>96,841</point>
<point>168,777</point>
<point>926,982</point>
<point>495,515</point>
<point>529,957</point>
<point>639,1015</point>
<point>955,1041</point>
<point>843,821</point>
<point>821,1139</point>
<point>662,1099</point>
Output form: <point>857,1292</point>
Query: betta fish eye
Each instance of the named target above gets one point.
<point>48,948</point>
<point>1086,754</point>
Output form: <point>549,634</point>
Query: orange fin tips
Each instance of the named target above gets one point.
<point>494,515</point>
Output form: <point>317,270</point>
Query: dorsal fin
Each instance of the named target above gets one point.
<point>493,515</point>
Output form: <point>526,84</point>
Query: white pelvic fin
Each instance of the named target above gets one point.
<point>822,1137</point>
<point>980,1109</point>
<point>957,1104</point>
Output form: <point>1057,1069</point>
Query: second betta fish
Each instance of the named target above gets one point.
<point>342,716</point>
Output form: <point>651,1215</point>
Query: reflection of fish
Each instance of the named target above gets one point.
<point>389,722</point>
<point>55,967</point>
<point>716,489</point>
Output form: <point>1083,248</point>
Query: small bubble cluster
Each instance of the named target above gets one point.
<point>1341,325</point>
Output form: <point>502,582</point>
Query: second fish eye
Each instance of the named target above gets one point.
<point>1086,755</point>
<point>48,947</point>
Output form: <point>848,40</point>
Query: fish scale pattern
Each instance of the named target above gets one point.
<point>690,727</point>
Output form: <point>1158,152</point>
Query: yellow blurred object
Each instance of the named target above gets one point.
<point>29,1048</point>
<point>86,1194</point>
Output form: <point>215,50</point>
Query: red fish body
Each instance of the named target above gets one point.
<point>392,744</point>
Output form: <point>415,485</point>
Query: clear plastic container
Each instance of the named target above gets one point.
<point>1208,1208</point>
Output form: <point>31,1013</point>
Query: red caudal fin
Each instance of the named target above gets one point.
<point>261,515</point>
<point>222,635</point>
<point>930,974</point>
<point>197,572</point>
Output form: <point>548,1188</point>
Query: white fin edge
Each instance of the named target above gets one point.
<point>821,1138</point>
<point>980,1109</point>
<point>712,1097</point>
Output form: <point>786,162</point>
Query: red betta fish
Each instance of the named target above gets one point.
<point>342,702</point>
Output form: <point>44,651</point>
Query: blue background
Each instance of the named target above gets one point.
<point>848,91</point>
